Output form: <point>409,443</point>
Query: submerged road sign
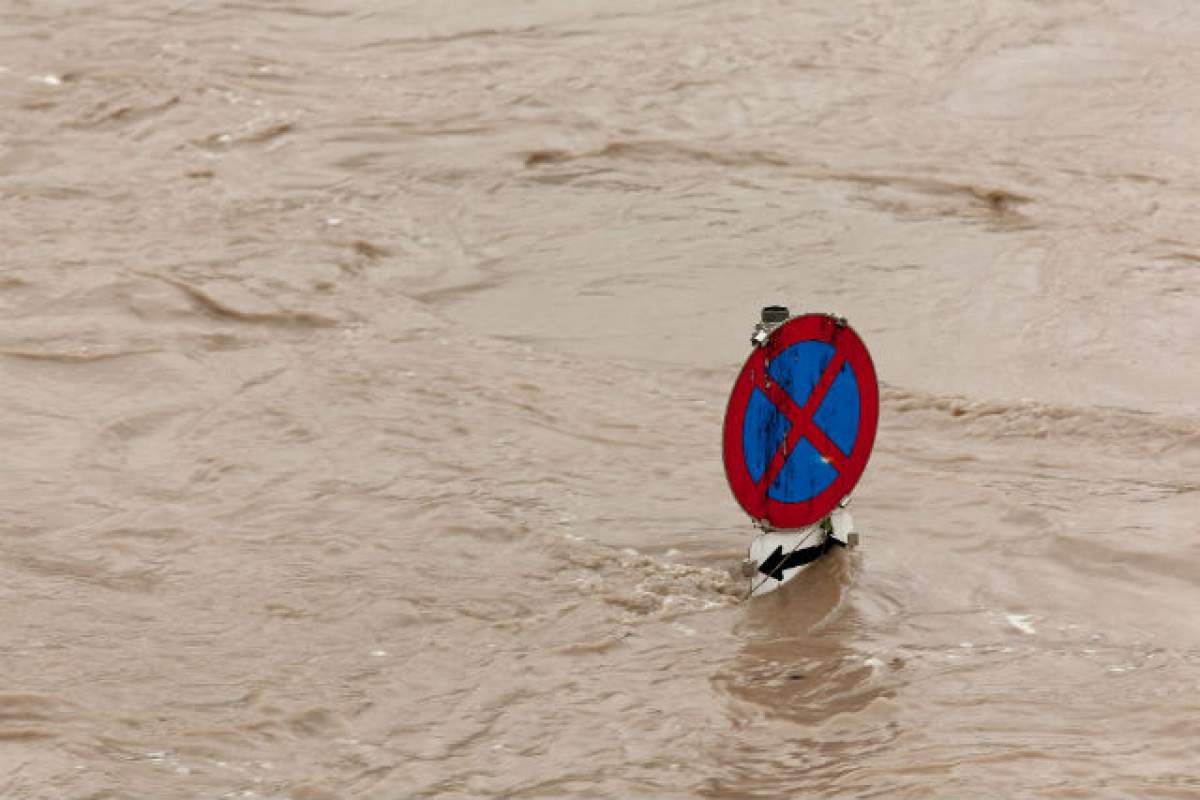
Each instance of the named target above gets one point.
<point>801,421</point>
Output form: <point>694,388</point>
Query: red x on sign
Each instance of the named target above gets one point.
<point>801,421</point>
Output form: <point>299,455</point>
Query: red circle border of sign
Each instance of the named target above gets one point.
<point>810,327</point>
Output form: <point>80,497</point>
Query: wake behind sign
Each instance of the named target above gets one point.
<point>801,421</point>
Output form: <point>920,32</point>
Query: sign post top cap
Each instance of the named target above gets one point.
<point>775,314</point>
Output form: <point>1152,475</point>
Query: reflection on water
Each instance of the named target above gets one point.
<point>800,670</point>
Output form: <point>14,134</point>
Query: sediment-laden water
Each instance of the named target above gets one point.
<point>363,365</point>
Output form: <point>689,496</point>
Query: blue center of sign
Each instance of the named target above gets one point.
<point>805,473</point>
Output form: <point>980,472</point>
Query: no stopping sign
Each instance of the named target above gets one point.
<point>801,421</point>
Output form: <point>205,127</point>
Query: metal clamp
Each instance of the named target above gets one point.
<point>771,318</point>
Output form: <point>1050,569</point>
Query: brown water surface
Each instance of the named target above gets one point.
<point>362,370</point>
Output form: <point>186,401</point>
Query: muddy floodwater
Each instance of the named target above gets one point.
<point>363,367</point>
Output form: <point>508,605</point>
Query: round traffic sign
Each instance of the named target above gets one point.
<point>801,421</point>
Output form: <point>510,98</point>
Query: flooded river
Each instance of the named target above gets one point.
<point>363,366</point>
